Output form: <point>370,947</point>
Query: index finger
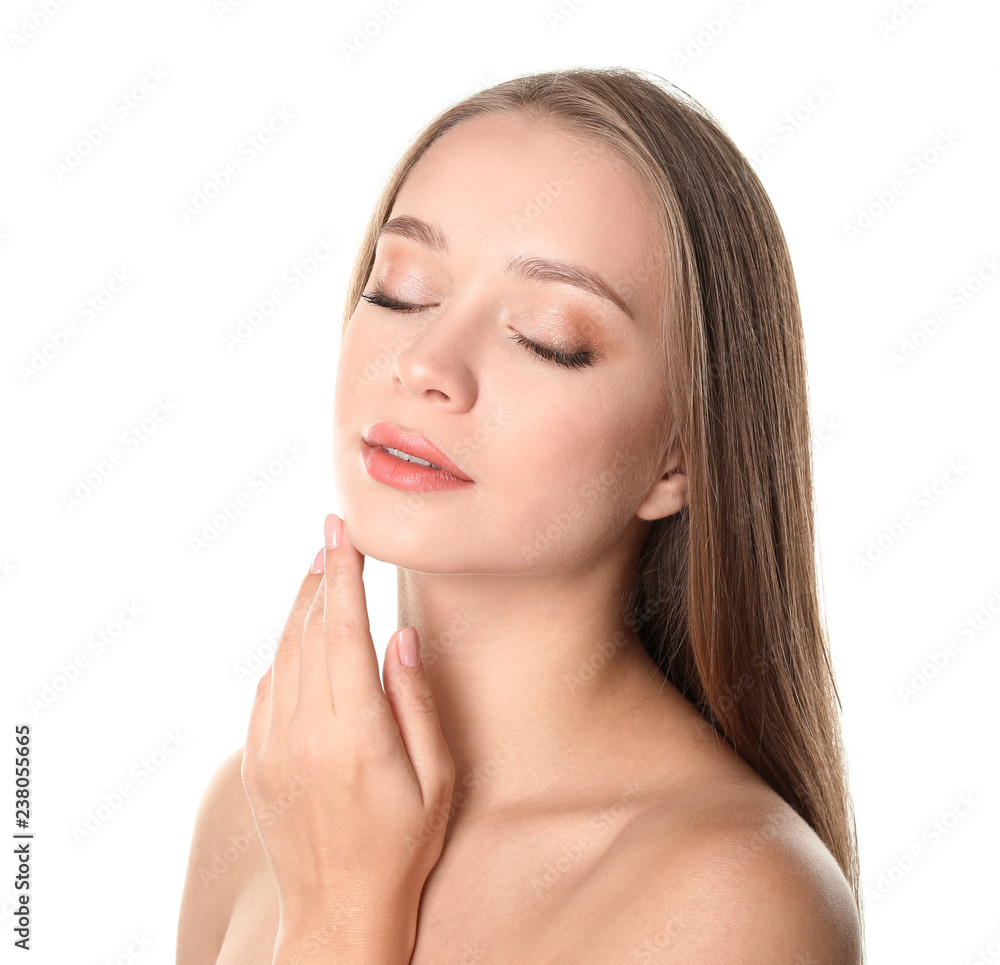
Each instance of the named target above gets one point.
<point>350,651</point>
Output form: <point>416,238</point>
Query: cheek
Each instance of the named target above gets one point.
<point>568,520</point>
<point>355,379</point>
<point>365,354</point>
<point>375,337</point>
<point>345,396</point>
<point>368,351</point>
<point>567,486</point>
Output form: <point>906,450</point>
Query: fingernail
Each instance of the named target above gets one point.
<point>334,530</point>
<point>409,652</point>
<point>317,566</point>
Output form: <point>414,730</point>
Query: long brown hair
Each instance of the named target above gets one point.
<point>725,599</point>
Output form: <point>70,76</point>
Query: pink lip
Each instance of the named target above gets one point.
<point>406,475</point>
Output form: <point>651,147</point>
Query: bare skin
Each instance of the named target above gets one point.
<point>688,858</point>
<point>596,818</point>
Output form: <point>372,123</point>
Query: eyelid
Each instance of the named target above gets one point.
<point>419,278</point>
<point>382,299</point>
<point>575,360</point>
<point>579,359</point>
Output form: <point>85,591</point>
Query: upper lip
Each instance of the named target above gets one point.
<point>386,434</point>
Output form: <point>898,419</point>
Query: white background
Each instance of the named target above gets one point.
<point>885,433</point>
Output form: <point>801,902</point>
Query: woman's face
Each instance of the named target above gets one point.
<point>560,456</point>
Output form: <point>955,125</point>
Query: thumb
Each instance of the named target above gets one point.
<point>409,693</point>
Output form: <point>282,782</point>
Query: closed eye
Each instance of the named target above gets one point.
<point>380,298</point>
<point>570,360</point>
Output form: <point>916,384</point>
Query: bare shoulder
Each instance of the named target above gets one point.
<point>224,852</point>
<point>742,879</point>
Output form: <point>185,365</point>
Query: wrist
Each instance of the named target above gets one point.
<point>319,942</point>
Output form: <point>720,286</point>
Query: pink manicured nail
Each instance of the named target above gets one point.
<point>317,566</point>
<point>409,652</point>
<point>334,530</point>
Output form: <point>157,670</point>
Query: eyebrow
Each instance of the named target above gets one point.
<point>526,267</point>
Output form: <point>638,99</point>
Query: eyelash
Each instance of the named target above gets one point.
<point>570,360</point>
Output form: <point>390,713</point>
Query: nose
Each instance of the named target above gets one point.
<point>436,365</point>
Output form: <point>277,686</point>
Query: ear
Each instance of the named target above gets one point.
<point>669,494</point>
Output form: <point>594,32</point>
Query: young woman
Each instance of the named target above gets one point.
<point>620,742</point>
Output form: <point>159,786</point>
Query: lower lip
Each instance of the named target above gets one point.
<point>400,474</point>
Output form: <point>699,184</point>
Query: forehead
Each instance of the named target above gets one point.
<point>501,185</point>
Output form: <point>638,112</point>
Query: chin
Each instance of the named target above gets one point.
<point>411,545</point>
<point>374,527</point>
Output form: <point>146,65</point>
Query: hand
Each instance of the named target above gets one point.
<point>350,786</point>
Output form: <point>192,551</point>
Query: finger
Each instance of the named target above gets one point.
<point>350,651</point>
<point>287,655</point>
<point>409,693</point>
<point>314,693</point>
<point>259,715</point>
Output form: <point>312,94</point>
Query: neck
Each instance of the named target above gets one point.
<point>539,681</point>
